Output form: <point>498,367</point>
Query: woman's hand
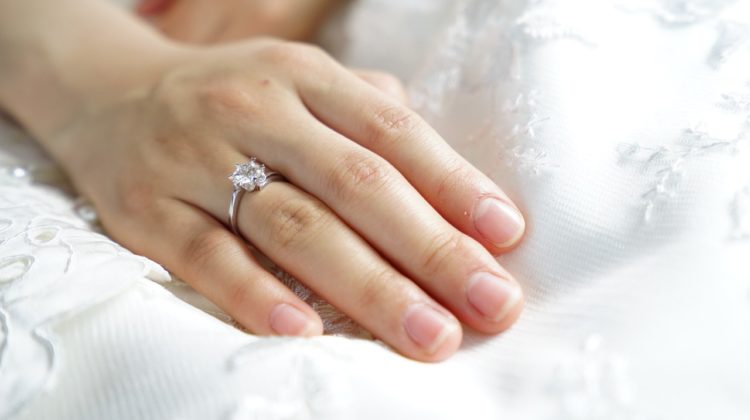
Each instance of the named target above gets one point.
<point>211,21</point>
<point>379,215</point>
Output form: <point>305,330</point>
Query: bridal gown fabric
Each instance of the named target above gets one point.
<point>621,128</point>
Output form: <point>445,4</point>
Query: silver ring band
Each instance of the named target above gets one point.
<point>250,176</point>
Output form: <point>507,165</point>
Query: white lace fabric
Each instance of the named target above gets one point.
<point>621,128</point>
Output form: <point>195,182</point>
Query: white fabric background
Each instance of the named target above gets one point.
<point>620,127</point>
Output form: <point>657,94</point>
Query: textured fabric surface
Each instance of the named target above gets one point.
<point>621,128</point>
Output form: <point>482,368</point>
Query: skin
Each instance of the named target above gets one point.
<point>379,215</point>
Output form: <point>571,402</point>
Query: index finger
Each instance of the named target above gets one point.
<point>462,194</point>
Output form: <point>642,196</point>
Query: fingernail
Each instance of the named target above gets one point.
<point>427,327</point>
<point>492,296</point>
<point>498,222</point>
<point>287,320</point>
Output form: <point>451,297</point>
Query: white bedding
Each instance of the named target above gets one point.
<point>621,128</point>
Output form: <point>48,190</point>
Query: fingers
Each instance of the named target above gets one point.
<point>382,207</point>
<point>304,237</point>
<point>461,193</point>
<point>307,239</point>
<point>219,265</point>
<point>385,83</point>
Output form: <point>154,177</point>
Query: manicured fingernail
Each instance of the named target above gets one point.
<point>427,327</point>
<point>287,320</point>
<point>498,222</point>
<point>492,296</point>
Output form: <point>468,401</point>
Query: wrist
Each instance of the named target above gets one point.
<point>46,99</point>
<point>66,58</point>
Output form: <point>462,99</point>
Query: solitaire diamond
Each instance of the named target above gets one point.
<point>249,176</point>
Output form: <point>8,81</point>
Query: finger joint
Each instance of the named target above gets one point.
<point>452,180</point>
<point>389,125</point>
<point>203,248</point>
<point>296,221</point>
<point>360,175</point>
<point>441,250</point>
<point>373,288</point>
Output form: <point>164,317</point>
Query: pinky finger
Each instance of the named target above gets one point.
<point>220,266</point>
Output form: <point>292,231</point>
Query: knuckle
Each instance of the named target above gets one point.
<point>172,148</point>
<point>453,179</point>
<point>360,174</point>
<point>296,221</point>
<point>444,248</point>
<point>240,295</point>
<point>373,287</point>
<point>204,247</point>
<point>226,97</point>
<point>171,95</point>
<point>390,125</point>
<point>183,96</point>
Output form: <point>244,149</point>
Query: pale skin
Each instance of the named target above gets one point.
<point>379,215</point>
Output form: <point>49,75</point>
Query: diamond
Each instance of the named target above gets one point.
<point>249,176</point>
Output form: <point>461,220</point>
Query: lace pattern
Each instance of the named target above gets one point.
<point>78,272</point>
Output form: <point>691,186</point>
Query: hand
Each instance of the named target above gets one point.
<point>211,21</point>
<point>379,215</point>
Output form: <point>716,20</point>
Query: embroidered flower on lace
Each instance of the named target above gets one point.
<point>519,151</point>
<point>667,163</point>
<point>516,146</point>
